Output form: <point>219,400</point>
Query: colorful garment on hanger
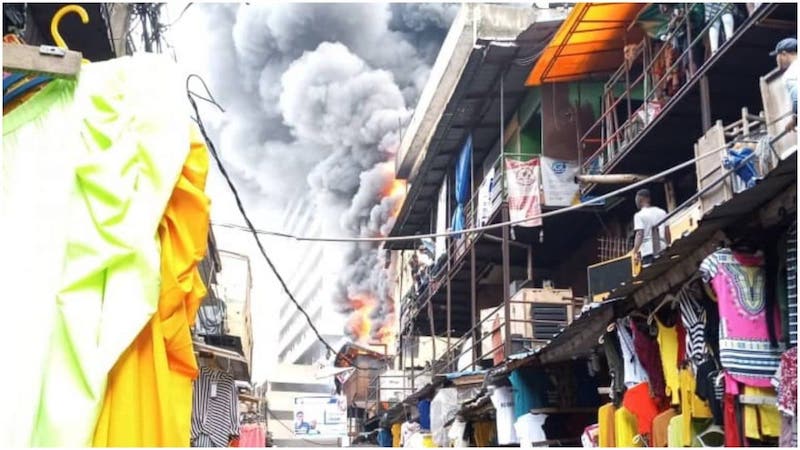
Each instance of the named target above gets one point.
<point>733,435</point>
<point>29,209</point>
<point>694,316</point>
<point>634,372</point>
<point>791,283</point>
<point>127,157</point>
<point>785,382</point>
<point>606,426</point>
<point>761,421</point>
<point>397,435</point>
<point>625,427</point>
<point>647,350</point>
<point>215,409</point>
<point>503,401</point>
<point>692,407</point>
<point>616,367</point>
<point>639,402</point>
<point>745,349</point>
<point>252,435</point>
<point>149,398</point>
<point>675,432</point>
<point>707,388</point>
<point>668,346</point>
<point>660,435</point>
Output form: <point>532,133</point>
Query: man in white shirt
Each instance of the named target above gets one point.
<point>643,223</point>
<point>785,54</point>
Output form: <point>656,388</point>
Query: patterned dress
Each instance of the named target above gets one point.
<point>738,281</point>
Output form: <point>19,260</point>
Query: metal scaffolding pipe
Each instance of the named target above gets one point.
<point>628,178</point>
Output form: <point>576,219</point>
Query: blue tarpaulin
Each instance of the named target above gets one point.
<point>463,176</point>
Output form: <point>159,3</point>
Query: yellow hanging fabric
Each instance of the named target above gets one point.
<point>149,398</point>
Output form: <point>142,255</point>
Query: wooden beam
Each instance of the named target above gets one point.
<point>45,60</point>
<point>782,205</point>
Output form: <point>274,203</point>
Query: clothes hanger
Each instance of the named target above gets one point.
<point>668,299</point>
<point>712,429</point>
<point>24,58</point>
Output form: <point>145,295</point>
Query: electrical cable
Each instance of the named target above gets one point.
<point>191,96</point>
<point>553,213</point>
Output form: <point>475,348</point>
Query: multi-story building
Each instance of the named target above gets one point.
<point>305,269</point>
<point>561,116</point>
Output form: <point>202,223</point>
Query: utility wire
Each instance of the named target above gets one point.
<point>553,213</point>
<point>191,96</point>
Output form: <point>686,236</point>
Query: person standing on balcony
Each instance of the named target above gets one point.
<point>643,223</point>
<point>785,54</point>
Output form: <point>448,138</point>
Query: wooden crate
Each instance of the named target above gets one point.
<point>776,103</point>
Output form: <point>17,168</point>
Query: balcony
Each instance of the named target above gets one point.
<point>651,102</point>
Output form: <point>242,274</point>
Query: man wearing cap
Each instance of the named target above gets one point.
<point>643,223</point>
<point>785,54</point>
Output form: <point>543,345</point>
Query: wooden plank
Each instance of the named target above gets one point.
<point>29,59</point>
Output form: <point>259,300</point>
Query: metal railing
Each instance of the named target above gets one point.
<point>614,137</point>
<point>381,397</point>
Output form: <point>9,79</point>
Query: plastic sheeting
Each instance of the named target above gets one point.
<point>463,176</point>
<point>443,408</point>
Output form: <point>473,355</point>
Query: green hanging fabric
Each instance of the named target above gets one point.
<point>36,174</point>
<point>128,122</point>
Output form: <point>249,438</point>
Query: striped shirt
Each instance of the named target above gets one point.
<point>791,281</point>
<point>694,318</point>
<point>215,409</point>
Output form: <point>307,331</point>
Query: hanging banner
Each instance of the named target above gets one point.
<point>558,182</point>
<point>523,191</point>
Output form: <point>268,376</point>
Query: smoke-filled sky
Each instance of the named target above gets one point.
<point>315,97</point>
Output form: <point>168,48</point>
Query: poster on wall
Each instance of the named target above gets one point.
<point>320,416</point>
<point>558,182</point>
<point>523,191</point>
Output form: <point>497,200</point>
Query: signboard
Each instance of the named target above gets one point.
<point>320,416</point>
<point>558,181</point>
<point>523,191</point>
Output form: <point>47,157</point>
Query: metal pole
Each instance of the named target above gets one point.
<point>473,306</point>
<point>530,262</point>
<point>506,283</point>
<point>705,103</point>
<point>430,321</point>
<point>449,302</point>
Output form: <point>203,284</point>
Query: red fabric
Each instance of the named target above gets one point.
<point>649,354</point>
<point>681,342</point>
<point>639,402</point>
<point>733,436</point>
<point>234,442</point>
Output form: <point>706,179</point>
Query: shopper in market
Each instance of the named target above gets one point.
<point>785,54</point>
<point>643,222</point>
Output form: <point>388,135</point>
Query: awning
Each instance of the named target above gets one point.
<point>591,41</point>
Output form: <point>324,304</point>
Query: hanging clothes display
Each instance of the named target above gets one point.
<point>503,401</point>
<point>153,378</point>
<point>606,426</point>
<point>27,231</point>
<point>634,372</point>
<point>252,435</point>
<point>397,435</point>
<point>745,348</point>
<point>125,159</point>
<point>215,409</point>
<point>625,428</point>
<point>692,407</point>
<point>616,367</point>
<point>639,402</point>
<point>660,435</point>
<point>424,409</point>
<point>647,350</point>
<point>529,429</point>
<point>668,346</point>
